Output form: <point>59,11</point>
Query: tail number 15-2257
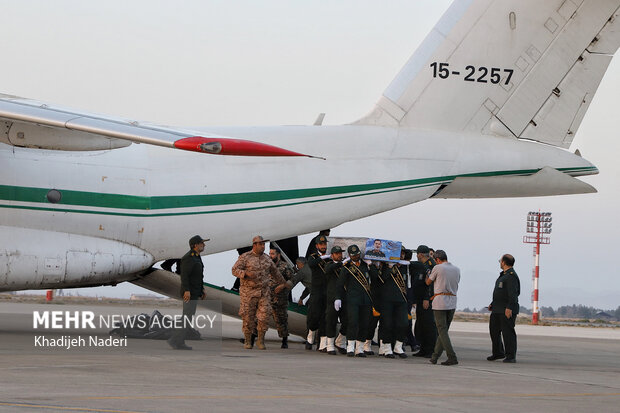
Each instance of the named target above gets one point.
<point>472,73</point>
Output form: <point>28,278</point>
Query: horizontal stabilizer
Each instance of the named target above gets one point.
<point>548,181</point>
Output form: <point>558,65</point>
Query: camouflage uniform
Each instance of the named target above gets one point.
<point>255,291</point>
<point>279,301</point>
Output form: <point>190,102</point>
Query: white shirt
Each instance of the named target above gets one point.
<point>445,277</point>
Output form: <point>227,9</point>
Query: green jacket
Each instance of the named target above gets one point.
<point>317,266</point>
<point>391,291</point>
<point>350,288</point>
<point>332,272</point>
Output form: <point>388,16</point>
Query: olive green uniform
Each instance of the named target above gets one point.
<point>377,300</point>
<point>425,330</point>
<point>505,295</point>
<point>332,273</point>
<point>394,306</point>
<point>192,269</point>
<point>316,305</point>
<point>354,288</point>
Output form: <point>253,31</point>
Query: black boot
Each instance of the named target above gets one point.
<point>284,342</point>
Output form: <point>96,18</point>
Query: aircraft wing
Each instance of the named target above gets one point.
<point>31,124</point>
<point>516,68</point>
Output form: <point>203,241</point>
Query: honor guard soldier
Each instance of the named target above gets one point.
<point>257,272</point>
<point>279,301</point>
<point>354,284</point>
<point>192,289</point>
<point>394,309</point>
<point>425,330</point>
<point>375,269</point>
<point>312,245</point>
<point>315,319</point>
<point>332,272</point>
<point>504,310</point>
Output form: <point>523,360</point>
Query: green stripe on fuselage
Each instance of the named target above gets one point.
<point>143,203</point>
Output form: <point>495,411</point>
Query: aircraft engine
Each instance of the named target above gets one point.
<point>35,259</point>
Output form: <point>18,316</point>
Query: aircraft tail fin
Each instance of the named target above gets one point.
<point>522,68</point>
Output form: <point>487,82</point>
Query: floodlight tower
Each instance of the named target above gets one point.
<point>538,223</point>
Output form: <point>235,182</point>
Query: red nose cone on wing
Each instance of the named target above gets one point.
<point>228,146</point>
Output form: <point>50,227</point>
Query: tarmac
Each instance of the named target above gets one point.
<point>558,369</point>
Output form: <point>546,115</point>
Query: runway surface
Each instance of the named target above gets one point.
<point>558,369</point>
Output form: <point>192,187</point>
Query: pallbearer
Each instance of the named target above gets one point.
<point>316,305</point>
<point>394,309</point>
<point>332,272</point>
<point>354,285</point>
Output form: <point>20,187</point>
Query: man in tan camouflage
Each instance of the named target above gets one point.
<point>256,272</point>
<point>279,301</point>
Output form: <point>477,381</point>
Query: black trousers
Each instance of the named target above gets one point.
<point>425,330</point>
<point>331,319</point>
<point>189,309</point>
<point>501,326</point>
<point>358,317</point>
<point>394,322</point>
<point>315,320</point>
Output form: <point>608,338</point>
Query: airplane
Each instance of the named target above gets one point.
<point>486,107</point>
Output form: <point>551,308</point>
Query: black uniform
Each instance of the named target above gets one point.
<point>425,330</point>
<point>394,304</point>
<point>505,295</point>
<point>315,319</point>
<point>377,301</point>
<point>332,272</point>
<point>354,283</point>
<point>191,280</point>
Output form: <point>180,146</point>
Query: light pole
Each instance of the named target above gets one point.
<point>538,223</point>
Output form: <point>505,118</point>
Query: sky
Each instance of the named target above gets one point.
<point>201,63</point>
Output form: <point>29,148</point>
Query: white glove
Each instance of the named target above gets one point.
<point>323,257</point>
<point>368,262</point>
<point>347,260</point>
<point>337,305</point>
<point>390,265</point>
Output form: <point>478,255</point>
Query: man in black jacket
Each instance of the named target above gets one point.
<point>504,310</point>
<point>425,330</point>
<point>191,289</point>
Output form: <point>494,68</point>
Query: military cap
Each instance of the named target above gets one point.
<point>423,249</point>
<point>353,250</point>
<point>258,238</point>
<point>196,239</point>
<point>336,249</point>
<point>320,239</point>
